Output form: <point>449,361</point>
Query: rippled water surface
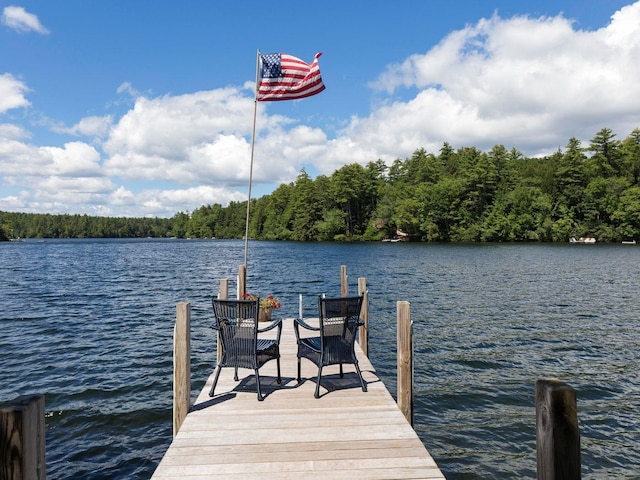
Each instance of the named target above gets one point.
<point>89,324</point>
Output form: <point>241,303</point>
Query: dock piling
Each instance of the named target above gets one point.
<point>344,281</point>
<point>405,360</point>
<point>363,333</point>
<point>22,439</point>
<point>181,365</point>
<point>557,431</point>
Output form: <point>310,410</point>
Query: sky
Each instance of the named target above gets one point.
<point>146,108</point>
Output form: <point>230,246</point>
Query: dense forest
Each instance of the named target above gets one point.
<point>462,195</point>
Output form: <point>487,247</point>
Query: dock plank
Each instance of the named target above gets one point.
<point>346,433</point>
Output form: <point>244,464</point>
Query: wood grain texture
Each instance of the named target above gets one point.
<point>346,433</point>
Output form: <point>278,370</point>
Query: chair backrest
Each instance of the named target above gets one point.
<point>237,323</point>
<point>340,316</point>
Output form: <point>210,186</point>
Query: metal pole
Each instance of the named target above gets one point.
<point>253,141</point>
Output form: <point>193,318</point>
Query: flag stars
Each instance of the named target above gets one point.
<point>271,66</point>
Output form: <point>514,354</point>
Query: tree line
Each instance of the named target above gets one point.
<point>454,195</point>
<point>44,225</point>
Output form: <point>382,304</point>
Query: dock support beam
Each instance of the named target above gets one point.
<point>363,334</point>
<point>363,331</point>
<point>405,360</point>
<point>242,281</point>
<point>344,281</point>
<point>223,294</point>
<point>557,431</point>
<point>181,365</point>
<point>22,439</point>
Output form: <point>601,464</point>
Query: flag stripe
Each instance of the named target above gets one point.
<point>285,77</point>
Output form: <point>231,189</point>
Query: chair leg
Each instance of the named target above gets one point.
<point>299,369</point>
<point>341,372</point>
<point>364,386</point>
<point>235,377</point>
<point>279,376</point>
<point>260,397</point>
<point>215,380</point>
<point>317,394</point>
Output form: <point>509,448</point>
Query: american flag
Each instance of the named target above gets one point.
<point>285,77</point>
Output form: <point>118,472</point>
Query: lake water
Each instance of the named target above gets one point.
<point>89,324</point>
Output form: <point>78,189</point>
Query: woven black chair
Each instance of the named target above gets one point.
<point>339,319</point>
<point>237,324</point>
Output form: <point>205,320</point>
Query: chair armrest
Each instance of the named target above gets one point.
<point>303,324</point>
<point>271,326</point>
<point>298,322</point>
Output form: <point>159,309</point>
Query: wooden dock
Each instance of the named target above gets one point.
<point>346,433</point>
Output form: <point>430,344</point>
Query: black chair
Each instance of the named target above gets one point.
<point>339,319</point>
<point>237,324</point>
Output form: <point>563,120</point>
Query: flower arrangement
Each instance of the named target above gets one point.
<point>267,302</point>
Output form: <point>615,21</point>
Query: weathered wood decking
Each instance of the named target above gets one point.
<point>347,433</point>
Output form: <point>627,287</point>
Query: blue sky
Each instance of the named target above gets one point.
<point>145,108</point>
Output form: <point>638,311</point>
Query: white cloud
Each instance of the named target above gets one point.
<point>168,125</point>
<point>166,203</point>
<point>14,203</point>
<point>158,132</point>
<point>76,159</point>
<point>22,159</point>
<point>12,132</point>
<point>12,93</point>
<point>531,83</point>
<point>282,153</point>
<point>61,188</point>
<point>203,138</point>
<point>126,87</point>
<point>17,18</point>
<point>89,126</point>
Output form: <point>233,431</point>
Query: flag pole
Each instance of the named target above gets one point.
<point>253,141</point>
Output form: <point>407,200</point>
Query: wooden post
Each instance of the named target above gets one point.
<point>405,360</point>
<point>223,294</point>
<point>223,291</point>
<point>557,431</point>
<point>181,365</point>
<point>22,439</point>
<point>344,284</point>
<point>364,314</point>
<point>242,281</point>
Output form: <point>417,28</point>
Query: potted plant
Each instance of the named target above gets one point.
<point>267,304</point>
